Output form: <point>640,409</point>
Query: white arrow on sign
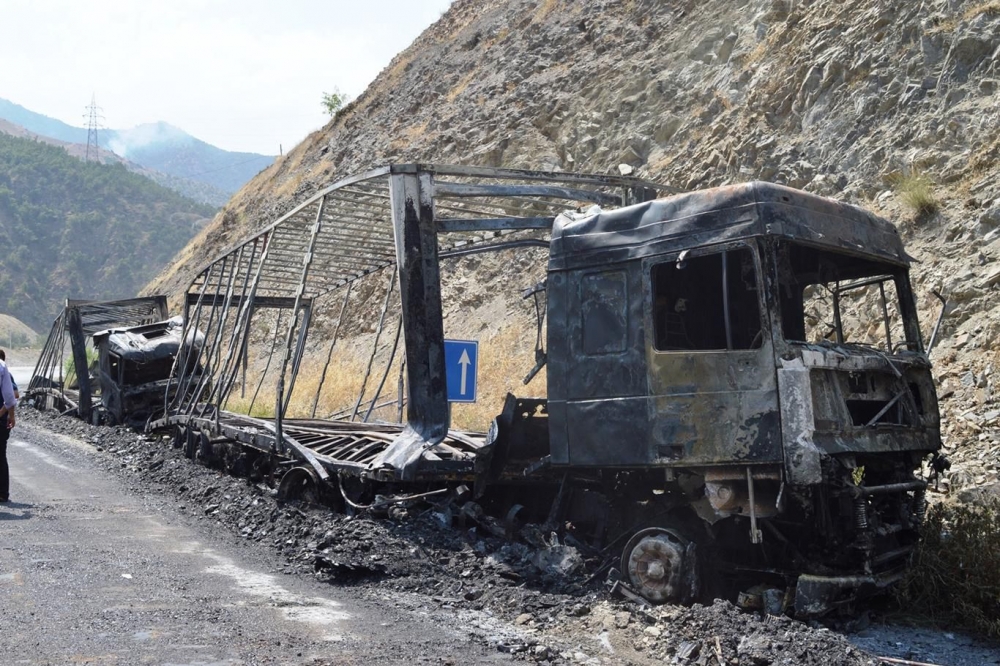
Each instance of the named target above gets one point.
<point>464,362</point>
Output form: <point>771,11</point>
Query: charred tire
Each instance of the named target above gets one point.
<point>302,485</point>
<point>357,493</point>
<point>661,566</point>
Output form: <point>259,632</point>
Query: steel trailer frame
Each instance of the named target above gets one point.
<point>405,217</point>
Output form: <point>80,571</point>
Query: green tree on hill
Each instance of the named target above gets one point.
<point>73,229</point>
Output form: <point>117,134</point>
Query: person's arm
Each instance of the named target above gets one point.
<point>7,392</point>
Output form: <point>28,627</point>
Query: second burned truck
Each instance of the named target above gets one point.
<point>737,389</point>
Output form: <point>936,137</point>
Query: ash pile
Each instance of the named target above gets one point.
<point>442,554</point>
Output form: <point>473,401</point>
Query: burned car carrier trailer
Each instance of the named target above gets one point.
<point>737,390</point>
<point>66,348</point>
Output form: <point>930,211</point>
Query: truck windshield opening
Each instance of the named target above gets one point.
<point>832,297</point>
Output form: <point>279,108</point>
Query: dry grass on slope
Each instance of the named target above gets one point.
<point>916,191</point>
<point>505,356</point>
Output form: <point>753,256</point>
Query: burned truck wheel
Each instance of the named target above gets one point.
<point>661,566</point>
<point>300,484</point>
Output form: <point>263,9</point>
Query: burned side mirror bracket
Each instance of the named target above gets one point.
<point>937,326</point>
<point>540,356</point>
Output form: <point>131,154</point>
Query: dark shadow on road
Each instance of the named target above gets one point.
<point>6,507</point>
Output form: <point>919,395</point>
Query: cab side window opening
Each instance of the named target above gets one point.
<point>706,303</point>
<point>114,367</point>
<point>136,373</point>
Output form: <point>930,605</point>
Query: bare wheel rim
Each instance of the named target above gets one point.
<point>299,483</point>
<point>653,564</point>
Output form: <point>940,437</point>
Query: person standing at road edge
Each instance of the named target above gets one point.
<point>6,423</point>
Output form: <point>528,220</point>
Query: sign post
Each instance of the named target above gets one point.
<point>461,359</point>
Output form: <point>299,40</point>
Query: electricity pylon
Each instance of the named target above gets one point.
<point>94,119</point>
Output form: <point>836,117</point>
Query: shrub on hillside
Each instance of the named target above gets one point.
<point>955,578</point>
<point>917,192</point>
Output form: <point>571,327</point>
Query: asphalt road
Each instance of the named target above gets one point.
<point>92,574</point>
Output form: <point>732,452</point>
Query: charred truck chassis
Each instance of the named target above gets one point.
<point>737,388</point>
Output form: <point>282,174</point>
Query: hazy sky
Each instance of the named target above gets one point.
<point>243,75</point>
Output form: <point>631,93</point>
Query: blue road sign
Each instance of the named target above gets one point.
<point>461,359</point>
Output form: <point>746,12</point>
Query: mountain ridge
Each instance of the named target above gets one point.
<point>200,192</point>
<point>157,146</point>
<point>75,229</point>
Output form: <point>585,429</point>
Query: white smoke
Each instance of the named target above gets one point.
<point>126,142</point>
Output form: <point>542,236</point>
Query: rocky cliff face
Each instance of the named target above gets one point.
<point>860,100</point>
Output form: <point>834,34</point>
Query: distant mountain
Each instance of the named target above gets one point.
<point>78,229</point>
<point>173,151</point>
<point>156,146</point>
<point>39,124</point>
<point>192,189</point>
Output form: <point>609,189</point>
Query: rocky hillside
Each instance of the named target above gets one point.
<point>890,104</point>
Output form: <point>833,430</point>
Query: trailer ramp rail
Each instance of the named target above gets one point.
<point>261,297</point>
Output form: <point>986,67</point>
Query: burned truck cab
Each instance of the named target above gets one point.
<point>748,361</point>
<point>136,365</point>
